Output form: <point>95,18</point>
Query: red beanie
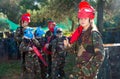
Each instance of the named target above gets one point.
<point>53,25</point>
<point>83,4</point>
<point>25,17</point>
<point>86,10</point>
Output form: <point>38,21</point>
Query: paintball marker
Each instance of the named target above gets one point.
<point>38,53</point>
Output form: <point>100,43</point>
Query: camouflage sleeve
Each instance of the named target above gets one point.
<point>24,47</point>
<point>36,42</point>
<point>53,45</point>
<point>18,35</point>
<point>98,45</point>
<point>71,48</point>
<point>48,33</point>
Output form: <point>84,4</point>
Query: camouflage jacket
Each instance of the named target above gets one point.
<point>49,36</point>
<point>41,42</point>
<point>19,34</point>
<point>57,45</point>
<point>26,44</point>
<point>90,45</point>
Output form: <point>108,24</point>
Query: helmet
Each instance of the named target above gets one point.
<point>59,30</point>
<point>83,4</point>
<point>25,17</point>
<point>51,25</point>
<point>28,33</point>
<point>39,32</point>
<point>86,10</point>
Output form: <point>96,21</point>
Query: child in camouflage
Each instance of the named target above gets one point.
<point>58,55</point>
<point>32,66</point>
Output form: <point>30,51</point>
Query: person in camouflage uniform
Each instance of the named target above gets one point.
<point>24,21</point>
<point>58,55</point>
<point>39,36</point>
<point>90,54</point>
<point>31,62</point>
<point>49,36</point>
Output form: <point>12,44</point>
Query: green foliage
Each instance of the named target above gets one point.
<point>57,10</point>
<point>113,22</point>
<point>29,4</point>
<point>11,9</point>
<point>3,25</point>
<point>111,14</point>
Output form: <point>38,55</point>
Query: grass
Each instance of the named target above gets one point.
<point>70,62</point>
<point>11,69</point>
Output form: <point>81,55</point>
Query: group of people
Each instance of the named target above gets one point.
<point>43,57</point>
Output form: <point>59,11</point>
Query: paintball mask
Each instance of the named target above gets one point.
<point>28,34</point>
<point>39,32</point>
<point>59,32</point>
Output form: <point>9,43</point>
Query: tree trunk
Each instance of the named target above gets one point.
<point>73,24</point>
<point>100,10</point>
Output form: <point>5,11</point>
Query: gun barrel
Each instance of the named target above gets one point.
<point>39,55</point>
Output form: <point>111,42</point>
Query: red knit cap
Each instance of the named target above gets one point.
<point>86,10</point>
<point>25,17</point>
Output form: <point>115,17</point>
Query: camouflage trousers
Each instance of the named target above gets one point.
<point>86,70</point>
<point>43,68</point>
<point>30,66</point>
<point>49,68</point>
<point>58,63</point>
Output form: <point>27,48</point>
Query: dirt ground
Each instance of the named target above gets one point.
<point>15,76</point>
<point>10,69</point>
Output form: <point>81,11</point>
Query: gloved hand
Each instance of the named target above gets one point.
<point>30,49</point>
